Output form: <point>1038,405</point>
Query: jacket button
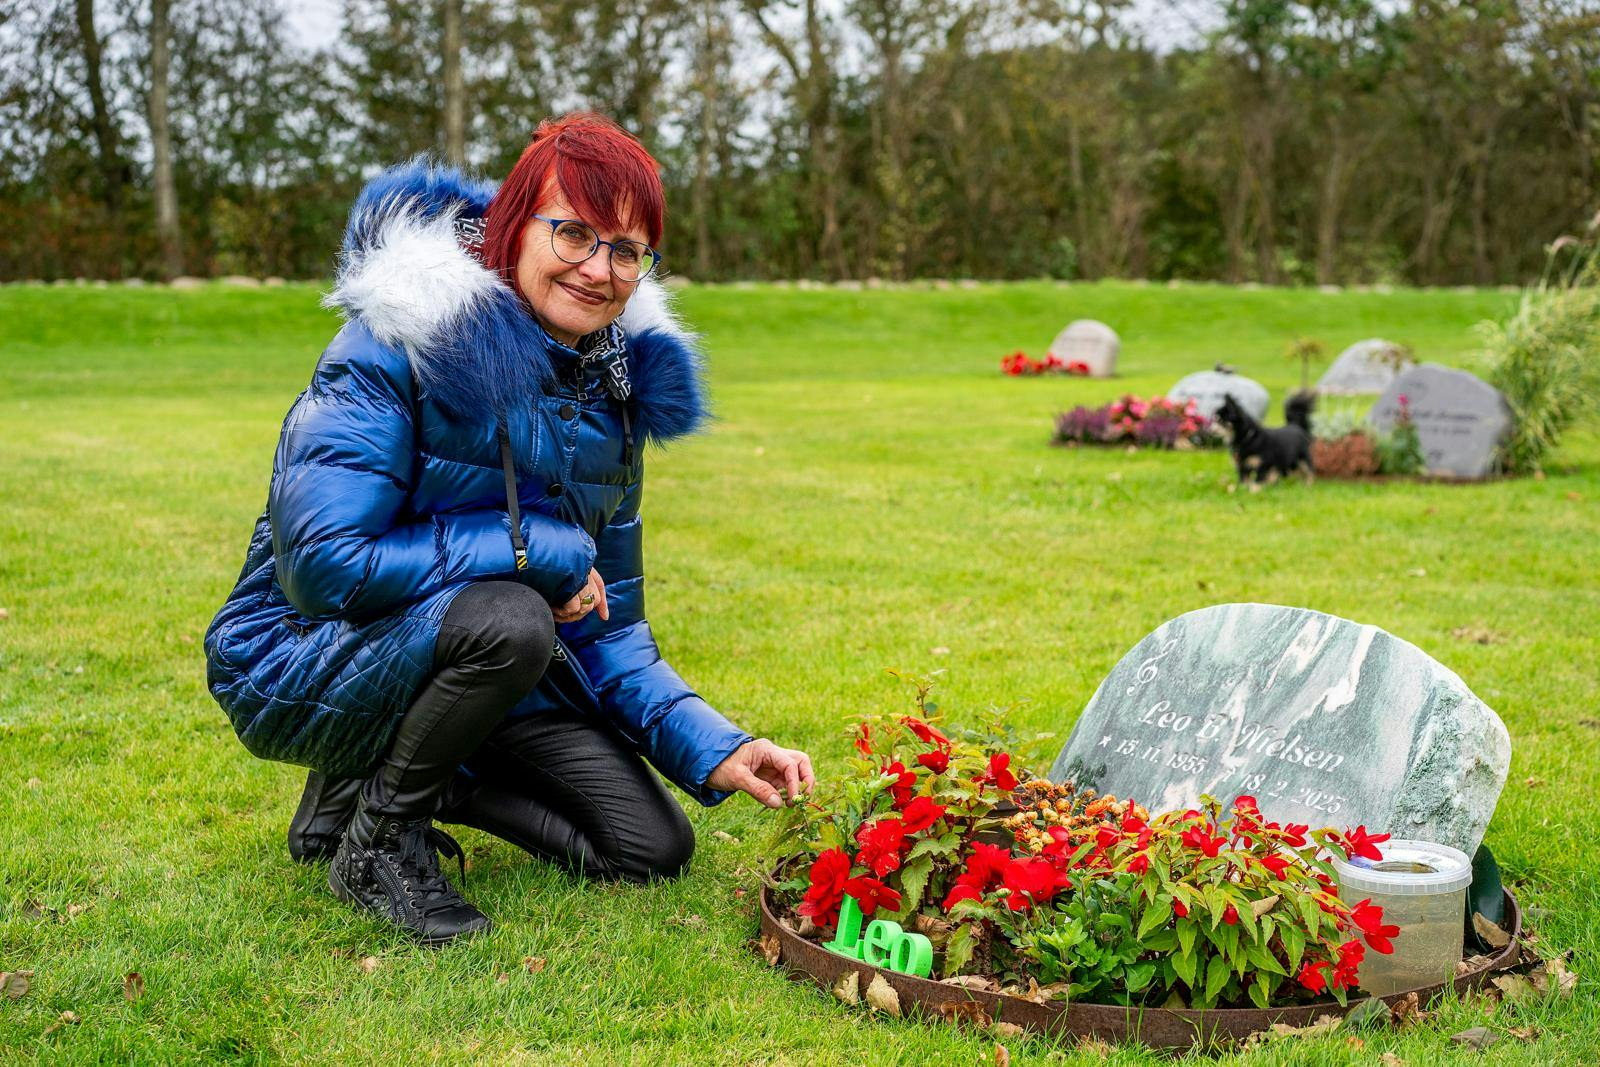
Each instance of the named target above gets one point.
<point>555,489</point>
<point>567,411</point>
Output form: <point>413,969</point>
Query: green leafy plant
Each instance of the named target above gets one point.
<point>1545,357</point>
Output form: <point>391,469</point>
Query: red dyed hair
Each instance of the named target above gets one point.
<point>601,170</point>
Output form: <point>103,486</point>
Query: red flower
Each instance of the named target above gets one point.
<point>999,773</point>
<point>872,894</point>
<point>1179,908</point>
<point>1106,836</point>
<point>1369,918</point>
<point>881,844</point>
<point>905,781</point>
<point>1199,838</point>
<point>1294,834</point>
<point>987,861</point>
<point>1231,916</point>
<point>927,734</point>
<point>1132,824</point>
<point>1032,881</point>
<point>1311,975</point>
<point>1277,865</point>
<point>864,740</point>
<point>967,887</point>
<point>1358,842</point>
<point>922,813</point>
<point>1345,975</point>
<point>828,873</point>
<point>1139,864</point>
<point>1246,816</point>
<point>937,762</point>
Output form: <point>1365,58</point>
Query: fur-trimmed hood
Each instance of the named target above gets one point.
<point>473,348</point>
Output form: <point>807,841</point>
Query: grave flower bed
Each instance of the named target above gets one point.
<point>1150,422</point>
<point>1050,892</point>
<point>1344,446</point>
<point>1021,365</point>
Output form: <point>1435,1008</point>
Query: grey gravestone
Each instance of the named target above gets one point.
<point>1460,419</point>
<point>1364,369</point>
<point>1207,388</point>
<point>1323,720</point>
<point>1089,342</point>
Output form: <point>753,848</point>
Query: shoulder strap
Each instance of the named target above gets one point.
<point>518,548</point>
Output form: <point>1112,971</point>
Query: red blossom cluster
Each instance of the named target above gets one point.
<point>1018,365</point>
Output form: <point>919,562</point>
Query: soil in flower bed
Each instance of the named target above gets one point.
<point>794,942</point>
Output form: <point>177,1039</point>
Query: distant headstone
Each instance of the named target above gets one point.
<point>1460,418</point>
<point>1207,389</point>
<point>1364,369</point>
<point>1324,721</point>
<point>1091,343</point>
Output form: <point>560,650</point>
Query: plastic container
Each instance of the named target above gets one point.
<point>1422,889</point>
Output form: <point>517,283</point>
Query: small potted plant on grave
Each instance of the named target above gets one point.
<point>1342,446</point>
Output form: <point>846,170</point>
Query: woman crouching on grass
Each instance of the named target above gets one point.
<point>442,608</point>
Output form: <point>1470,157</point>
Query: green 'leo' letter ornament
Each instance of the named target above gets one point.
<point>883,944</point>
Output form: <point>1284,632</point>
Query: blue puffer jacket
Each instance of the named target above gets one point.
<point>388,497</point>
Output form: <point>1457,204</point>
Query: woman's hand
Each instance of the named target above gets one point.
<point>592,597</point>
<point>761,768</point>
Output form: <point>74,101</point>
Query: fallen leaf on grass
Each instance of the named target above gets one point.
<point>501,978</point>
<point>369,964</point>
<point>1514,988</point>
<point>4,614</point>
<point>1389,1059</point>
<point>772,949</point>
<point>1471,963</point>
<point>1095,1046</point>
<point>1407,1011</point>
<point>739,894</point>
<point>1417,572</point>
<point>848,988</point>
<point>1524,1033</point>
<point>1593,724</point>
<point>1533,783</point>
<point>1355,1042</point>
<point>694,919</point>
<point>973,981</point>
<point>132,986</point>
<point>1552,974</point>
<point>1324,1024</point>
<point>1479,1038</point>
<point>723,835</point>
<point>13,984</point>
<point>1478,635</point>
<point>35,783</point>
<point>1490,931</point>
<point>963,1011</point>
<point>1007,1030</point>
<point>533,964</point>
<point>1574,497</point>
<point>66,1018</point>
<point>32,909</point>
<point>882,997</point>
<point>941,650</point>
<point>1002,1057</point>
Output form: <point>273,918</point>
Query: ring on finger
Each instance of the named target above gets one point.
<point>586,599</point>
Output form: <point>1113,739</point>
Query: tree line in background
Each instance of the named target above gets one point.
<point>1330,141</point>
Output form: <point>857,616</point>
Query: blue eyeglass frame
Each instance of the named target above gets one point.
<point>655,257</point>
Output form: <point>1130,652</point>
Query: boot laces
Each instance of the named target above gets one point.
<point>417,860</point>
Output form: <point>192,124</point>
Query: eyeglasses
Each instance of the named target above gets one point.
<point>574,241</point>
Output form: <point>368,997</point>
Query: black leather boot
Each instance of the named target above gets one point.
<point>390,866</point>
<point>325,808</point>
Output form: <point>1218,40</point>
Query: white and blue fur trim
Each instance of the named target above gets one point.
<point>472,345</point>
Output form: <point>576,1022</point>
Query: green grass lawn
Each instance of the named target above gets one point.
<point>875,494</point>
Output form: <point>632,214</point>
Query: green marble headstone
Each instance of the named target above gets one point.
<point>1323,720</point>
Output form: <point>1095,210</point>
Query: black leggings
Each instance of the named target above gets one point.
<point>563,786</point>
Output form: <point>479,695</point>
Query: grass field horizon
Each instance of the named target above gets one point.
<point>873,494</point>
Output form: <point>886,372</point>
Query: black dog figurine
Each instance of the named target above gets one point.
<point>1268,453</point>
